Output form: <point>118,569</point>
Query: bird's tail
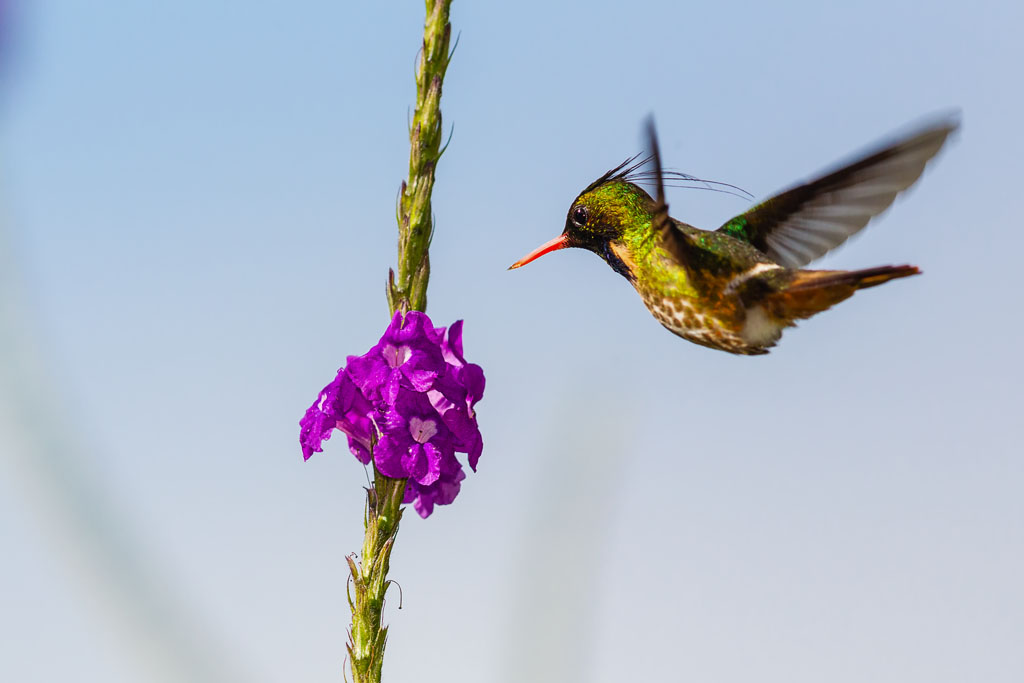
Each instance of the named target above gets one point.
<point>813,291</point>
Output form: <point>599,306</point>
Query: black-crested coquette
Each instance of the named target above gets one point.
<point>738,287</point>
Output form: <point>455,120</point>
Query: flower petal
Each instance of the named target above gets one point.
<point>433,457</point>
<point>316,425</point>
<point>473,380</point>
<point>453,345</point>
<point>388,457</point>
<point>419,379</point>
<point>368,372</point>
<point>414,463</point>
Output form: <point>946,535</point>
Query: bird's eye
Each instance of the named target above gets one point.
<point>579,216</point>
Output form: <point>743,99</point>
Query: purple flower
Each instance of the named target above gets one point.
<point>340,405</point>
<point>409,401</point>
<point>457,393</point>
<point>441,492</point>
<point>407,356</point>
<point>415,441</point>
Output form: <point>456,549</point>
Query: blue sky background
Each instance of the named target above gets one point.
<point>196,221</point>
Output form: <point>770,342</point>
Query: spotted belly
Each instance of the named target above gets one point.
<point>681,317</point>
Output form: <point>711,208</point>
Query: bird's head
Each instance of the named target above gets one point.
<point>614,216</point>
<point>603,214</point>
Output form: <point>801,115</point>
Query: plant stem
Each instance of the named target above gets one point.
<point>407,291</point>
<point>367,638</point>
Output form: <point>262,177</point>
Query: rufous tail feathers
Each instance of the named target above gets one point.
<point>813,291</point>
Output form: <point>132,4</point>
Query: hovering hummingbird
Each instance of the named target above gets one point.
<point>737,288</point>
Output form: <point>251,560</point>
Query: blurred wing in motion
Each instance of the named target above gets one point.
<point>799,225</point>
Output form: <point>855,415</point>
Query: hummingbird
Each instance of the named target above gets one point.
<point>739,287</point>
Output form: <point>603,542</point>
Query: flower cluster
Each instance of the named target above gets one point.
<point>407,403</point>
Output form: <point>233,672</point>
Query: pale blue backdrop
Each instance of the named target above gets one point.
<point>197,210</point>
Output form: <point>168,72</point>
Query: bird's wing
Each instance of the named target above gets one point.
<point>671,237</point>
<point>799,225</point>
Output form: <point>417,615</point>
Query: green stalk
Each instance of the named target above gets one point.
<point>367,638</point>
<point>407,291</point>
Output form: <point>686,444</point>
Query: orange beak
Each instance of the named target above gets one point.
<point>560,242</point>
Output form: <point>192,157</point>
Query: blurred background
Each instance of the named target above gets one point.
<point>196,221</point>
